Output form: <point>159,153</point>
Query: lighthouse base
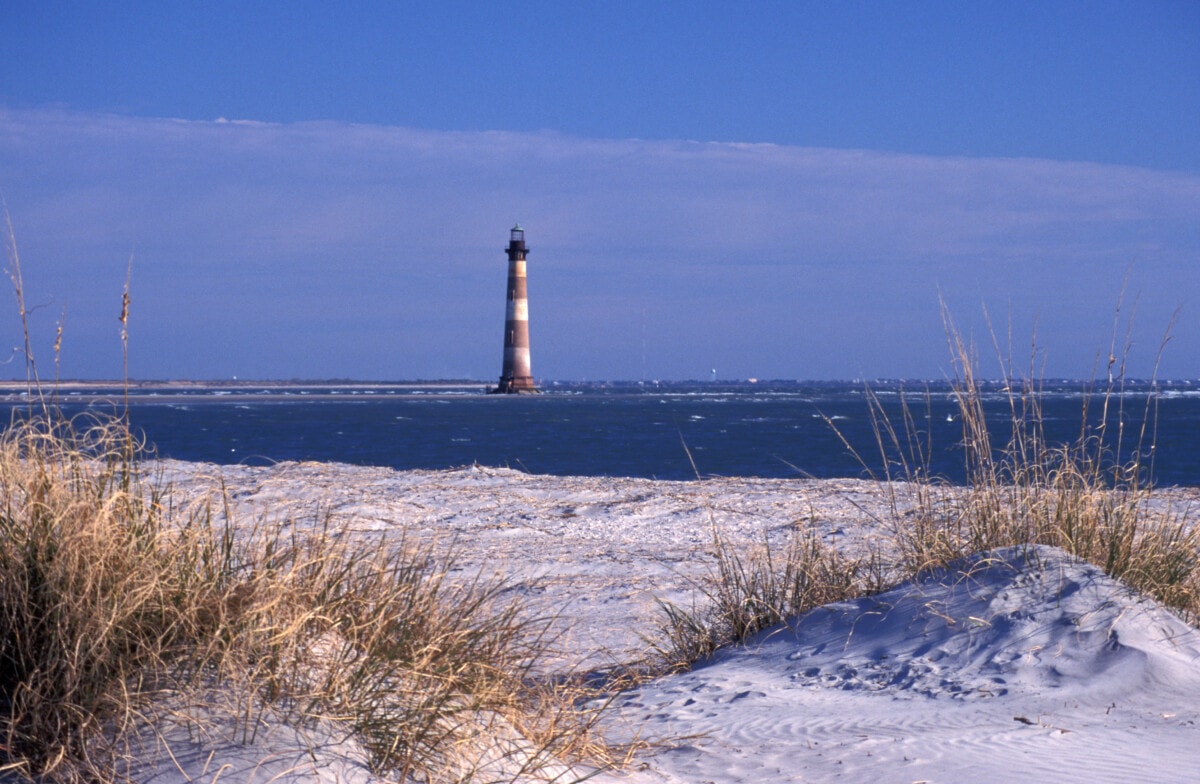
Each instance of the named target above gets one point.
<point>521,385</point>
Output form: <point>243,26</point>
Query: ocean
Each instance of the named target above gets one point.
<point>651,430</point>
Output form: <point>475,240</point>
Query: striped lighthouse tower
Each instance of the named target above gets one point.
<point>516,375</point>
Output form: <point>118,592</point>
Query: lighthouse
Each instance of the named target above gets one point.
<point>516,376</point>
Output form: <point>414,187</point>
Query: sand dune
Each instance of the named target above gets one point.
<point>1027,665</point>
<point>1033,664</point>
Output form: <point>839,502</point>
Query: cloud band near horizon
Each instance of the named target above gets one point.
<point>326,249</point>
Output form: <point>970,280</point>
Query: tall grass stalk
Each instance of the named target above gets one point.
<point>32,384</point>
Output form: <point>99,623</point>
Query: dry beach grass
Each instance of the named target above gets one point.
<point>1092,498</point>
<point>116,606</point>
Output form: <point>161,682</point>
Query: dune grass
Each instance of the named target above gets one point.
<point>748,591</point>
<point>1093,497</point>
<point>114,607</point>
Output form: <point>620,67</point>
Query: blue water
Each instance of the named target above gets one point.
<point>666,431</point>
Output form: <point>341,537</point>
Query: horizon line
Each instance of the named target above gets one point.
<point>50,386</point>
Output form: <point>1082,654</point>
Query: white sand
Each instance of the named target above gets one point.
<point>1037,667</point>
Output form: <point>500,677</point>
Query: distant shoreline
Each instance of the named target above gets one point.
<point>48,386</point>
<point>115,392</point>
<point>76,384</point>
<point>90,392</point>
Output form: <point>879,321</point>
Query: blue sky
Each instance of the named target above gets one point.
<point>777,190</point>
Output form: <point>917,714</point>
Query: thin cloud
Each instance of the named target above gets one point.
<point>240,227</point>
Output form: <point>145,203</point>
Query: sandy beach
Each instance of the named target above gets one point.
<point>596,551</point>
<point>1036,666</point>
